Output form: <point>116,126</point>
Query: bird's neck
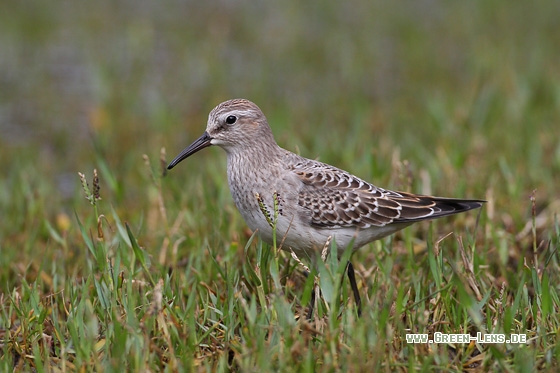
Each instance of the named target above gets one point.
<point>254,156</point>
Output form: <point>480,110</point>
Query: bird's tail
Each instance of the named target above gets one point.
<point>416,208</point>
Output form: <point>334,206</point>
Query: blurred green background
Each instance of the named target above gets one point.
<point>452,98</point>
<point>467,92</point>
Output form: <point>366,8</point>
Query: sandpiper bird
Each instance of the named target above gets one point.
<point>316,201</point>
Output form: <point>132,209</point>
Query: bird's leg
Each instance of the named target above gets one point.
<point>354,286</point>
<point>311,304</point>
<point>314,293</point>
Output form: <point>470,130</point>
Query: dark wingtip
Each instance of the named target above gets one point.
<point>471,204</point>
<point>450,206</point>
<point>439,208</point>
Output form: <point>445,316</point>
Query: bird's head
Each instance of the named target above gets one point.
<point>235,125</point>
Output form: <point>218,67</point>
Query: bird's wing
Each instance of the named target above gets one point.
<point>334,198</point>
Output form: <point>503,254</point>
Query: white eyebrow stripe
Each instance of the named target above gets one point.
<point>221,117</point>
<point>240,112</point>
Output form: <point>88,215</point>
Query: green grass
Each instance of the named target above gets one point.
<point>457,99</point>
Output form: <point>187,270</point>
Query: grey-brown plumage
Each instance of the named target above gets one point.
<point>338,199</point>
<point>316,201</point>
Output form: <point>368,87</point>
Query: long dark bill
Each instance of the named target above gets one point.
<point>200,143</point>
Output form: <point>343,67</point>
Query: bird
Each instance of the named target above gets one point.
<point>315,202</point>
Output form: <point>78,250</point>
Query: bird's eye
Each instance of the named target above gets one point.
<point>231,119</point>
